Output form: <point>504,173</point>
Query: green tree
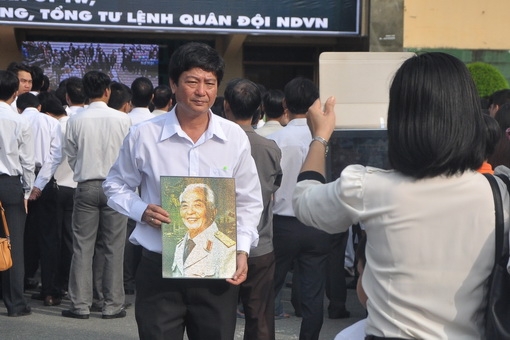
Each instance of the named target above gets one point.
<point>488,79</point>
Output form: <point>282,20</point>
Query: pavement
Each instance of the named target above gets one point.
<point>46,323</point>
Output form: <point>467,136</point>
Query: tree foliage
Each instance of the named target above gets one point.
<point>488,79</point>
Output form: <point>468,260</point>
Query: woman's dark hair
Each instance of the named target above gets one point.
<point>193,55</point>
<point>493,134</point>
<point>435,122</point>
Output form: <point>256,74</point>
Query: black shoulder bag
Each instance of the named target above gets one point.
<point>497,317</point>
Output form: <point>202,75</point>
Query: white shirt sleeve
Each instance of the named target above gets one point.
<point>331,207</point>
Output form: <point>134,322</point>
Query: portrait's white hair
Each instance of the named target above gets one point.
<point>209,194</point>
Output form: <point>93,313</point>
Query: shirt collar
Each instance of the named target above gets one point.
<point>30,111</point>
<point>5,105</point>
<point>172,127</point>
<point>297,121</point>
<point>98,104</point>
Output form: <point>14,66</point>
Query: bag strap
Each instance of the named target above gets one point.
<point>4,222</point>
<point>498,207</point>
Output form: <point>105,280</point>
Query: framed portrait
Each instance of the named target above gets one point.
<point>200,240</point>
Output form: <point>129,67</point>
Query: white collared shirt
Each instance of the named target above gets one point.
<point>17,152</point>
<point>294,141</point>
<point>271,126</point>
<point>64,174</point>
<point>159,147</point>
<point>74,109</point>
<point>93,139</point>
<point>140,114</point>
<point>47,139</point>
<point>158,112</point>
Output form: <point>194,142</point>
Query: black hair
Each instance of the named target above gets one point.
<point>503,117</point>
<point>272,103</point>
<point>37,77</point>
<point>95,83</point>
<point>75,91</point>
<point>244,98</point>
<point>300,94</point>
<point>27,100</point>
<point>141,90</point>
<point>493,134</point>
<point>162,95</point>
<point>218,108</point>
<point>500,97</point>
<point>9,84</point>
<point>193,55</point>
<point>435,123</point>
<point>15,67</point>
<point>46,83</point>
<point>121,94</point>
<point>50,103</point>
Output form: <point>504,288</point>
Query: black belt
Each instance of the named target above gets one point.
<point>151,255</point>
<point>9,176</point>
<point>374,337</point>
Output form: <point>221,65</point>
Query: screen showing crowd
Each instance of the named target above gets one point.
<point>122,62</point>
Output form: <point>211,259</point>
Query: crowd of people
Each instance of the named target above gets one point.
<point>80,180</point>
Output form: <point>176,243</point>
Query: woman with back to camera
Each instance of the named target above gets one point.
<point>430,221</point>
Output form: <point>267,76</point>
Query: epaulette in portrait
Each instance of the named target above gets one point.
<point>227,241</point>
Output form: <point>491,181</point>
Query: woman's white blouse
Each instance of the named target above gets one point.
<point>430,246</point>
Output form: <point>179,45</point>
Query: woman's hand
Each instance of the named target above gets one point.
<point>322,123</point>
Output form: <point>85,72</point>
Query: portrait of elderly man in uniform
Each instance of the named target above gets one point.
<point>205,251</point>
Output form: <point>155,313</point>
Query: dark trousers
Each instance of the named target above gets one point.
<point>336,288</point>
<point>164,308</point>
<point>11,195</point>
<point>42,225</point>
<point>309,247</point>
<point>132,256</point>
<point>257,296</point>
<point>65,201</point>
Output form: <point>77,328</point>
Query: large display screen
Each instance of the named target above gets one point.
<point>122,62</point>
<point>365,147</point>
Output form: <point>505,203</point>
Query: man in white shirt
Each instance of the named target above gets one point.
<point>65,197</point>
<point>142,94</point>
<point>41,233</point>
<point>294,241</point>
<point>75,95</point>
<point>242,102</point>
<point>120,97</point>
<point>24,74</point>
<point>188,141</point>
<point>276,116</point>
<point>141,90</point>
<point>162,99</point>
<point>93,140</point>
<point>16,177</point>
